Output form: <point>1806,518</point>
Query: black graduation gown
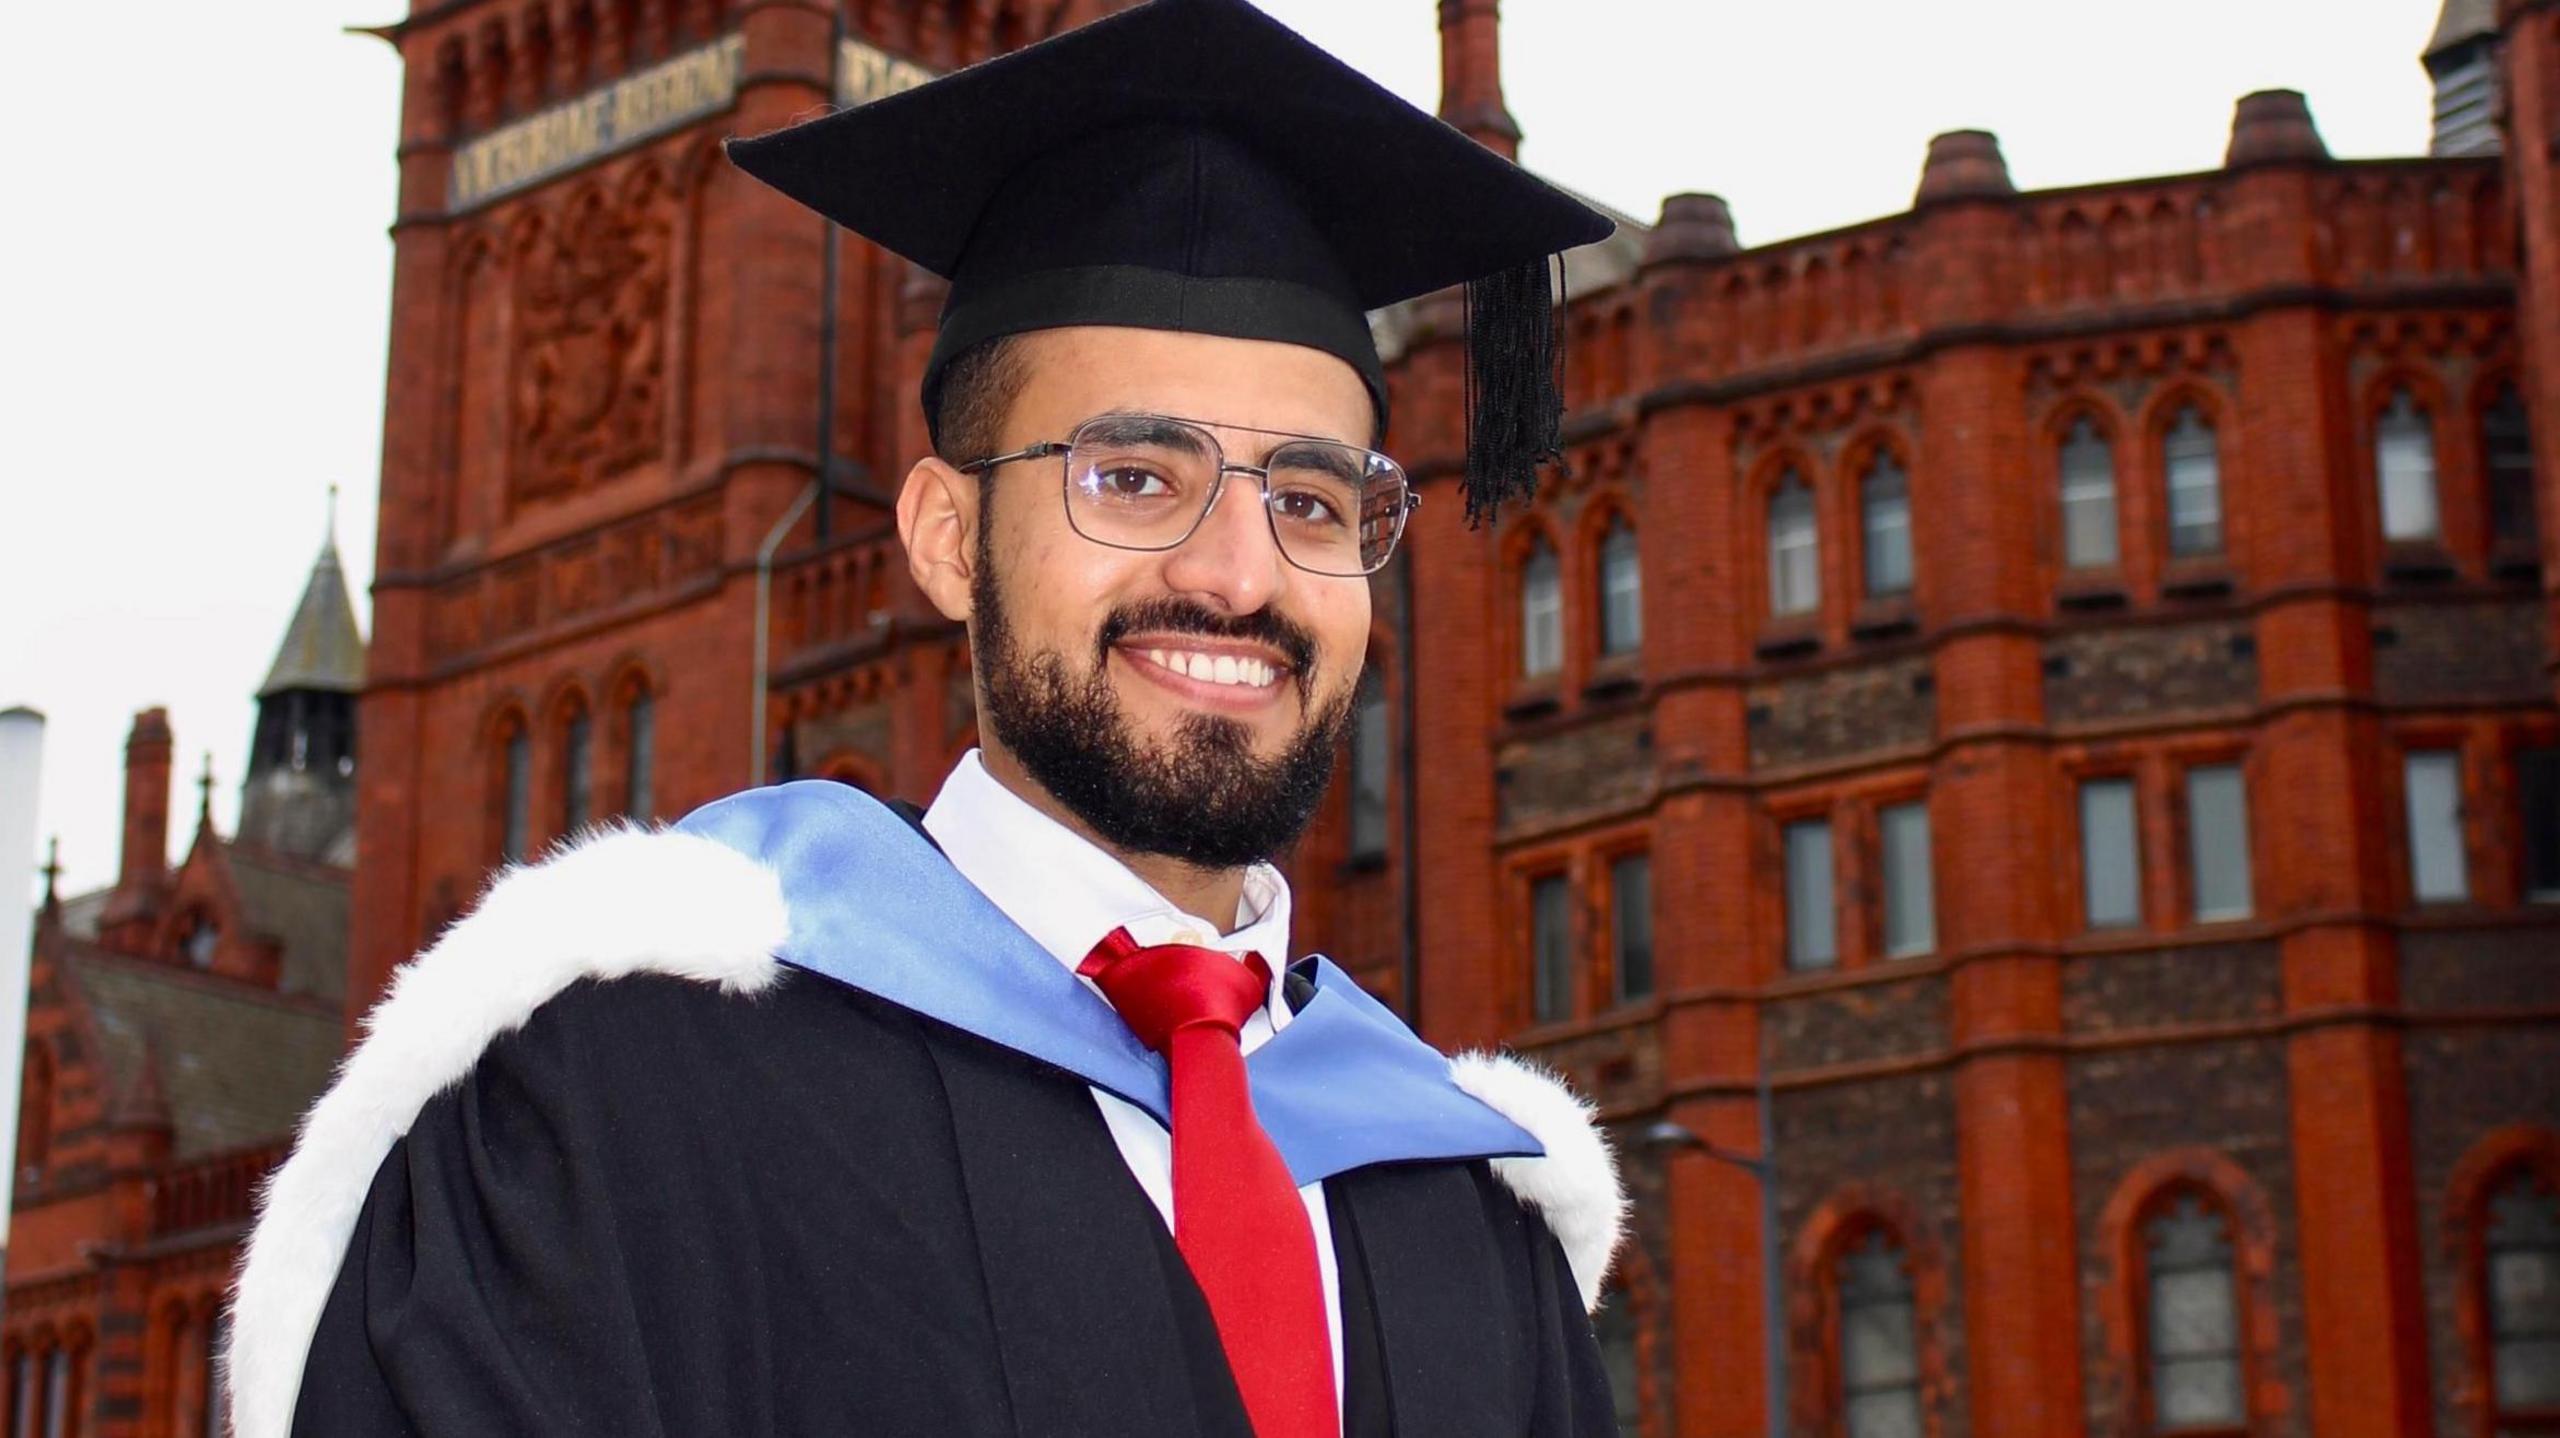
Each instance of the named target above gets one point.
<point>658,1210</point>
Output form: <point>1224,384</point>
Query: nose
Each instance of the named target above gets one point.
<point>1231,561</point>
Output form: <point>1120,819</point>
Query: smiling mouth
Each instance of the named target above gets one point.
<point>1241,672</point>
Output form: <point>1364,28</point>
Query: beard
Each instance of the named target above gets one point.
<point>1200,796</point>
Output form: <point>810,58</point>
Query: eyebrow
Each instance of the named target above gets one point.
<point>1144,429</point>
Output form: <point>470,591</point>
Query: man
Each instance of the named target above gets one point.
<point>807,1118</point>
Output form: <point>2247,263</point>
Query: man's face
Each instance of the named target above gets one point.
<point>1186,702</point>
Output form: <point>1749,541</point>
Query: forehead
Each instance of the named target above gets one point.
<point>1073,374</point>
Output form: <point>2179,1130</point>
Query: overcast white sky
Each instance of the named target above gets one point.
<point>195,281</point>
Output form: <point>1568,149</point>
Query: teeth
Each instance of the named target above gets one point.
<point>1215,668</point>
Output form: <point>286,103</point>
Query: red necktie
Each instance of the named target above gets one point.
<point>1236,1213</point>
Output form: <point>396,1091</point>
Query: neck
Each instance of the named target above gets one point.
<point>1212,894</point>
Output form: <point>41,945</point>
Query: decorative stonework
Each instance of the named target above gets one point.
<point>652,552</point>
<point>590,358</point>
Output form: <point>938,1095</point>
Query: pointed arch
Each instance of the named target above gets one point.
<point>2187,1244</point>
<point>1867,1286</point>
<point>2501,1207</point>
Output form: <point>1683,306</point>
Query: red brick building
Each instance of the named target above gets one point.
<point>2036,714</point>
<point>178,1024</point>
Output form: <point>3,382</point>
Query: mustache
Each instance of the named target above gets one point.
<point>1174,616</point>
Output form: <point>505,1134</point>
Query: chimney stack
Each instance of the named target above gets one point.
<point>1471,75</point>
<point>2271,127</point>
<point>1692,227</point>
<point>1965,165</point>
<point>142,880</point>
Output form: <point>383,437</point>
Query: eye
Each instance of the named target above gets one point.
<point>1307,506</point>
<point>1130,482</point>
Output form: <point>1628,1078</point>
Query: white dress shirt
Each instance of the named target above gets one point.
<point>1067,894</point>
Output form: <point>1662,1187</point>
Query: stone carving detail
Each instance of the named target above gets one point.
<point>650,553</point>
<point>590,363</point>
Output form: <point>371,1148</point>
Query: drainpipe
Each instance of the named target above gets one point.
<point>1409,974</point>
<point>756,777</point>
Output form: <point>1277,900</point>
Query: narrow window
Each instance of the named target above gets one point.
<point>639,793</point>
<point>2088,497</point>
<point>1884,504</point>
<point>2110,855</point>
<point>2432,779</point>
<point>1541,613</point>
<point>57,1393</point>
<point>2218,842</point>
<point>1621,592</point>
<point>2507,440</point>
<point>1879,1341</point>
<point>577,741</point>
<point>518,796</point>
<point>1369,771</point>
<point>1614,1325</point>
<point>2538,789</point>
<point>2194,463</point>
<point>1812,940</point>
<point>2523,1285</point>
<point>2194,1320</point>
<point>1631,927</point>
<point>217,1392</point>
<point>1795,546</point>
<point>2404,464</point>
<point>1910,906</point>
<point>22,1381</point>
<point>1551,949</point>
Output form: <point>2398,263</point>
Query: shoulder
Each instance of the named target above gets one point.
<point>622,904</point>
<point>1572,1187</point>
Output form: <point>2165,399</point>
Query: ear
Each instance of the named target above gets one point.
<point>938,522</point>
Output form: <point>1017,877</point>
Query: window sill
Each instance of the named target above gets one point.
<point>2091,598</point>
<point>1527,708</point>
<point>1777,648</point>
<point>1609,688</point>
<point>2516,567</point>
<point>2416,562</point>
<point>1364,865</point>
<point>2196,584</point>
<point>1885,621</point>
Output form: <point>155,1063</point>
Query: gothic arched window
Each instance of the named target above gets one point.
<point>1884,508</point>
<point>1879,1340</point>
<point>1541,612</point>
<point>577,751</point>
<point>2404,467</point>
<point>2191,1309</point>
<point>2506,440</point>
<point>515,791</point>
<point>640,757</point>
<point>1621,591</point>
<point>2088,497</point>
<point>2522,1282</point>
<point>1795,548</point>
<point>2192,457</point>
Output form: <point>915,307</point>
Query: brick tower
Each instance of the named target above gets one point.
<point>603,512</point>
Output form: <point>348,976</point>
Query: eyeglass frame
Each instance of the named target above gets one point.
<point>1060,449</point>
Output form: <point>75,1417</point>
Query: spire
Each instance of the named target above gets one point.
<point>322,648</point>
<point>52,872</point>
<point>204,794</point>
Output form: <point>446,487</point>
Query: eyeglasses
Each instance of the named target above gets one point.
<point>1146,482</point>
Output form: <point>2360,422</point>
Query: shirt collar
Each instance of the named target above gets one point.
<point>1066,893</point>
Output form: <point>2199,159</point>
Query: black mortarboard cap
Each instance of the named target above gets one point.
<point>1195,165</point>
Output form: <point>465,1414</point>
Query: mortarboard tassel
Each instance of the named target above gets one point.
<point>1515,399</point>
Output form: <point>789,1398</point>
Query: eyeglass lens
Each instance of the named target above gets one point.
<point>1144,482</point>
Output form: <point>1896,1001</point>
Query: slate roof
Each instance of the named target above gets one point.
<point>234,1065</point>
<point>322,648</point>
<point>303,906</point>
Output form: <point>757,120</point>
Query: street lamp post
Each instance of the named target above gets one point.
<point>1670,1135</point>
